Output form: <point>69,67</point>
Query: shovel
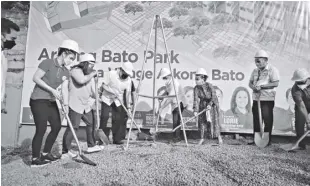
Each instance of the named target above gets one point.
<point>292,147</point>
<point>99,134</point>
<point>261,138</point>
<point>86,160</point>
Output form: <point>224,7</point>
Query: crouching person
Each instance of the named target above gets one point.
<point>81,90</point>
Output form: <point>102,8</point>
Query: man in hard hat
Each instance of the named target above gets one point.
<point>166,75</point>
<point>263,81</point>
<point>301,97</point>
<point>8,35</point>
<point>81,89</point>
<point>115,82</point>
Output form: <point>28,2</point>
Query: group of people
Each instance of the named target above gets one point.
<point>78,95</point>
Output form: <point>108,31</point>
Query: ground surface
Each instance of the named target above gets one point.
<point>233,163</point>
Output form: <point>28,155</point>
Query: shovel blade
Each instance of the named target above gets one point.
<point>261,141</point>
<point>289,147</point>
<point>100,135</point>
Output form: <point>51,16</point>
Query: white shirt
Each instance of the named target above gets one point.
<point>80,96</point>
<point>180,93</point>
<point>118,85</point>
<point>4,69</point>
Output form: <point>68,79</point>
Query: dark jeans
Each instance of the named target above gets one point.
<point>176,120</point>
<point>300,123</point>
<point>119,116</point>
<point>75,118</point>
<point>267,116</point>
<point>43,111</point>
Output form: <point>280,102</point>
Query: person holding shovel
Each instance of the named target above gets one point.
<point>301,96</point>
<point>81,89</point>
<point>166,75</point>
<point>263,81</point>
<point>115,82</point>
<point>50,74</point>
<point>205,97</point>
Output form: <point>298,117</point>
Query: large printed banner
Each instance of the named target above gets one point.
<point>220,36</point>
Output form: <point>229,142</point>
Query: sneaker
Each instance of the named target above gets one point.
<point>69,155</point>
<point>201,141</point>
<point>38,162</point>
<point>95,148</point>
<point>49,157</point>
<point>101,147</point>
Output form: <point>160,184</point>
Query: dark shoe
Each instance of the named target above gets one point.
<point>38,162</point>
<point>118,142</point>
<point>177,139</point>
<point>251,143</point>
<point>49,157</point>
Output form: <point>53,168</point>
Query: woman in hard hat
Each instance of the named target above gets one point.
<point>115,82</point>
<point>301,96</point>
<point>166,75</point>
<point>50,74</point>
<point>205,97</point>
<point>81,92</point>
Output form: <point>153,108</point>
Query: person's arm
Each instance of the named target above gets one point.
<point>251,82</point>
<point>274,78</point>
<point>214,99</point>
<point>80,78</point>
<point>196,100</point>
<point>65,91</point>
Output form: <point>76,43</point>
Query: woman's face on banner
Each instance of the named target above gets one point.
<point>190,98</point>
<point>242,99</point>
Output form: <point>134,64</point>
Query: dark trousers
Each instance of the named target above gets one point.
<point>176,120</point>
<point>119,116</point>
<point>43,111</point>
<point>75,119</point>
<point>267,116</point>
<point>300,123</point>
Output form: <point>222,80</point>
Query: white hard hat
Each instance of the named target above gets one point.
<point>300,74</point>
<point>71,45</point>
<point>201,71</point>
<point>261,53</point>
<point>87,57</point>
<point>164,72</point>
<point>128,68</point>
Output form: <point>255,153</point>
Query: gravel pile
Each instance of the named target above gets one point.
<point>166,164</point>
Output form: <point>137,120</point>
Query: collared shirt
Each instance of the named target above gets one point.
<point>180,93</point>
<point>301,95</point>
<point>117,84</point>
<point>54,76</point>
<point>262,77</point>
<point>4,69</point>
<point>80,95</point>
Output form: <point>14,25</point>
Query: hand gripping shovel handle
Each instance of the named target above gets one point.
<point>88,161</point>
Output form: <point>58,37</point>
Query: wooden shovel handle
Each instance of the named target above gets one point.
<point>97,102</point>
<point>260,115</point>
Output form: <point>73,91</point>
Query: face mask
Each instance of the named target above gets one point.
<point>124,76</point>
<point>168,81</point>
<point>9,44</point>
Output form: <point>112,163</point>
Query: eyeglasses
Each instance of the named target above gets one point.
<point>165,78</point>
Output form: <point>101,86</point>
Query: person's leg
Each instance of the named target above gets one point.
<point>89,121</point>
<point>176,118</point>
<point>105,111</point>
<point>118,117</point>
<point>75,119</point>
<point>55,123</point>
<point>40,112</point>
<point>267,114</point>
<point>300,122</point>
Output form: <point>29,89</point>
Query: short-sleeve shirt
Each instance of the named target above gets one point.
<point>180,93</point>
<point>80,95</point>
<point>118,85</point>
<point>301,95</point>
<point>262,77</point>
<point>54,76</point>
